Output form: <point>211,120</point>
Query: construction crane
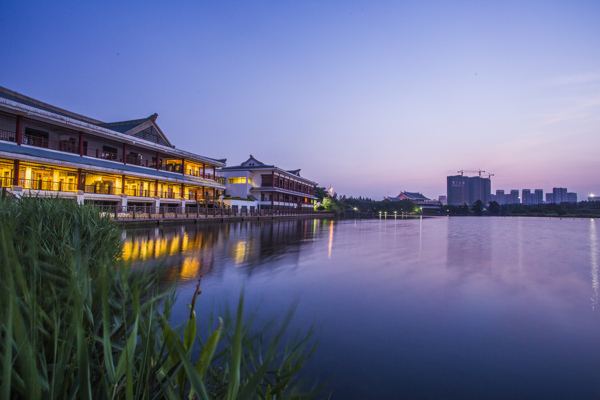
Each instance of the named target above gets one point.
<point>490,176</point>
<point>462,172</point>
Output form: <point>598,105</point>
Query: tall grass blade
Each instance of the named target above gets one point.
<point>236,353</point>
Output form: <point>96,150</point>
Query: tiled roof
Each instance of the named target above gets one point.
<point>28,101</point>
<point>413,195</point>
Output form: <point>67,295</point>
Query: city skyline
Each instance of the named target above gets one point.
<point>371,98</point>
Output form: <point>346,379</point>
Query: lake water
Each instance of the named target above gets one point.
<point>470,308</point>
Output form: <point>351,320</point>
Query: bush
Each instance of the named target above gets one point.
<point>77,322</point>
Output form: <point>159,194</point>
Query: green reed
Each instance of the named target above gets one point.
<point>76,322</point>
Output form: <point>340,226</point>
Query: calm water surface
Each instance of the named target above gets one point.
<point>470,308</point>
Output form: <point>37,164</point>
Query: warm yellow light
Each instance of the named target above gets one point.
<point>190,268</point>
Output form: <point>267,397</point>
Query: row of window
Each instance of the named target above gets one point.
<point>240,179</point>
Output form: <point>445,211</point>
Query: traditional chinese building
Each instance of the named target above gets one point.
<point>255,184</point>
<point>417,198</point>
<point>48,151</point>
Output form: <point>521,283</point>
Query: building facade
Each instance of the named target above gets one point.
<point>526,197</point>
<point>49,151</point>
<point>500,197</point>
<point>267,187</point>
<point>479,189</point>
<point>467,190</point>
<point>457,189</point>
<point>538,196</point>
<point>513,197</point>
<point>559,195</point>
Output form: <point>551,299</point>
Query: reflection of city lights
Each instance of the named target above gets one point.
<point>190,268</point>
<point>185,242</point>
<point>239,253</point>
<point>143,249</point>
<point>174,245</point>
<point>127,250</point>
<point>330,238</point>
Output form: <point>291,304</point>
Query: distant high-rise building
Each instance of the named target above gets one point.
<point>593,197</point>
<point>526,196</point>
<point>514,197</point>
<point>538,196</point>
<point>443,200</point>
<point>457,189</point>
<point>500,197</point>
<point>463,189</point>
<point>532,198</point>
<point>479,189</point>
<point>572,197</point>
<point>559,195</point>
<point>549,198</point>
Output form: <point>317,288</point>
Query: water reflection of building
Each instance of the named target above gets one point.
<point>187,251</point>
<point>469,247</point>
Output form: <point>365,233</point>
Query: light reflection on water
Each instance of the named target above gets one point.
<point>424,308</point>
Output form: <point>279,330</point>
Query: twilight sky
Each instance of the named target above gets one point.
<point>372,97</point>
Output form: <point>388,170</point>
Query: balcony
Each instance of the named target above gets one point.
<point>101,189</point>
<point>97,153</point>
<point>40,184</point>
<point>7,136</point>
<point>60,145</point>
<point>139,193</point>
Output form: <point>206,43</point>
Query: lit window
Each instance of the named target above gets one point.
<point>237,180</point>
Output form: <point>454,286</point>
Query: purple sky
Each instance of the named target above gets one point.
<point>371,97</point>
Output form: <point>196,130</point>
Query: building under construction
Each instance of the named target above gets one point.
<point>468,189</point>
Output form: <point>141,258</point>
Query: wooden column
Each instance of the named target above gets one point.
<point>214,173</point>
<point>16,173</point>
<point>19,130</point>
<point>183,191</point>
<point>79,179</point>
<point>80,144</point>
<point>125,153</point>
<point>123,184</point>
<point>155,187</point>
<point>183,166</point>
<point>157,163</point>
<point>272,200</point>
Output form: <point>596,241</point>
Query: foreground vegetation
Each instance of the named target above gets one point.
<point>76,322</point>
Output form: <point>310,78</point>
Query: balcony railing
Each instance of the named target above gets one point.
<point>7,136</point>
<point>98,153</point>
<point>41,184</point>
<point>102,189</point>
<point>60,145</point>
<point>134,160</point>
